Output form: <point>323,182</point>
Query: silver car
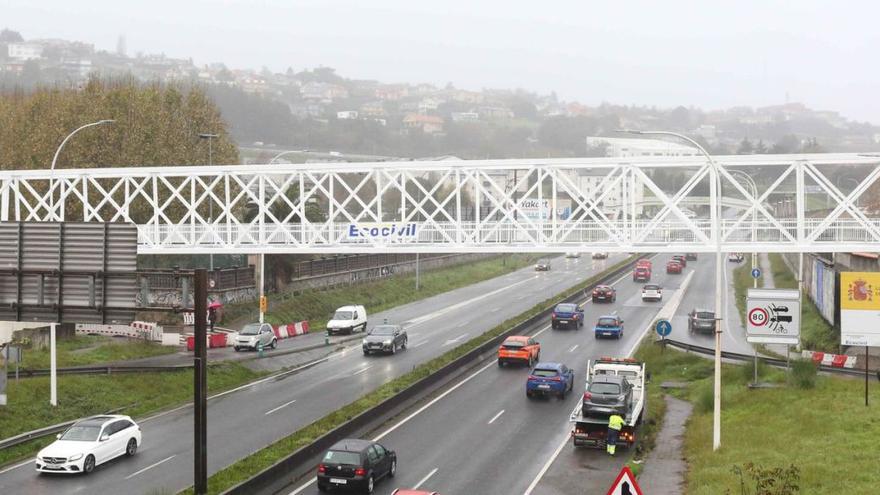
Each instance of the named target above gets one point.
<point>254,335</point>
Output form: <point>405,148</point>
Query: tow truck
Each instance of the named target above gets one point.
<point>591,430</point>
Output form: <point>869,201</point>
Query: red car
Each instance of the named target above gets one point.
<point>673,266</point>
<point>604,293</point>
<point>644,262</point>
<point>642,274</point>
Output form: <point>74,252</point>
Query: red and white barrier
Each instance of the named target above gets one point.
<point>833,360</point>
<point>291,329</point>
<point>137,329</point>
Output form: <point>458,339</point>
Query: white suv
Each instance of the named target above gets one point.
<point>348,319</point>
<point>88,443</point>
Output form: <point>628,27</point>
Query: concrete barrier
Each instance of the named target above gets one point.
<point>833,360</point>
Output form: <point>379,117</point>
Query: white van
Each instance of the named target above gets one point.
<point>348,319</point>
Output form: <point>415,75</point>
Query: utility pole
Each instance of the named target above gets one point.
<point>200,385</point>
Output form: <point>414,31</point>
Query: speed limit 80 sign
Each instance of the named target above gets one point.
<point>773,316</point>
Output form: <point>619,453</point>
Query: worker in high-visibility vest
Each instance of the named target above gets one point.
<point>615,423</point>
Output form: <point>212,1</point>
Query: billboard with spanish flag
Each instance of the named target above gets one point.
<point>860,308</point>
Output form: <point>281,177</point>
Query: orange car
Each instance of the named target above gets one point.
<point>519,349</point>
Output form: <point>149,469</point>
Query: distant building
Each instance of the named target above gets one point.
<point>347,115</point>
<point>465,116</point>
<point>429,105</point>
<point>631,147</point>
<point>392,92</point>
<point>322,91</point>
<point>428,124</point>
<point>373,109</point>
<point>24,51</point>
<point>495,113</point>
<point>708,132</point>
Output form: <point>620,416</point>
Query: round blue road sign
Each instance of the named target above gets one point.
<point>663,328</point>
<point>756,273</point>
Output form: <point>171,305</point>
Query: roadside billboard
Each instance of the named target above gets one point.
<point>860,308</point>
<point>773,316</point>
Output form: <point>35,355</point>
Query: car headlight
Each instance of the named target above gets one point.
<point>364,342</point>
<point>387,342</point>
<point>75,457</point>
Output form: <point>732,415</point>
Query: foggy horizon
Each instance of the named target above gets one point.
<point>640,54</point>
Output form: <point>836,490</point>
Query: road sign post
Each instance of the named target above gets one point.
<point>860,312</point>
<point>772,317</point>
<point>663,329</point>
<point>625,484</point>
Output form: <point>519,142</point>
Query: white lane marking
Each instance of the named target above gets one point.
<point>496,416</point>
<point>10,468</point>
<point>430,316</point>
<point>405,420</point>
<point>413,346</point>
<point>546,466</point>
<point>573,348</point>
<point>282,406</point>
<point>496,309</point>
<point>455,340</point>
<point>151,466</point>
<point>440,397</point>
<point>358,372</point>
<point>423,480</point>
<point>464,324</point>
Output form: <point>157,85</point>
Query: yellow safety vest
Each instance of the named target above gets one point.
<point>615,422</point>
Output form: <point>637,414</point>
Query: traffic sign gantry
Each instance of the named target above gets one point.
<point>625,484</point>
<point>756,273</point>
<point>663,328</point>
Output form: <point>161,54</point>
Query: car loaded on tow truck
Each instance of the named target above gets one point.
<point>614,386</point>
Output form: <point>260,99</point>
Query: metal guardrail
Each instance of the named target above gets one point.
<point>100,370</point>
<point>279,475</point>
<point>780,363</point>
<point>42,432</point>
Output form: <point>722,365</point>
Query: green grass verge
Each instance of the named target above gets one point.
<point>816,333</point>
<point>139,394</point>
<point>826,431</point>
<point>263,459</point>
<point>316,305</point>
<point>84,350</point>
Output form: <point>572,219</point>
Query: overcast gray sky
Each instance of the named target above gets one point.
<point>707,54</point>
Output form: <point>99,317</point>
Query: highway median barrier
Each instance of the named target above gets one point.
<point>292,457</point>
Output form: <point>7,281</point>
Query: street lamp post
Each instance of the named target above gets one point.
<point>754,187</point>
<point>279,155</point>
<point>716,420</point>
<point>58,152</point>
<point>210,138</point>
<point>53,362</point>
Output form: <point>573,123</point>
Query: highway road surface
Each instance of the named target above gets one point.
<point>484,436</point>
<point>253,417</point>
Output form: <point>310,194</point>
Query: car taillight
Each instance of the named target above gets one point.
<point>360,471</point>
<point>321,468</point>
<point>532,377</point>
<point>556,378</point>
<point>588,396</point>
<point>575,316</point>
<point>553,315</point>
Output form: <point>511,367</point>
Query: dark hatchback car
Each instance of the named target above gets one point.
<point>356,464</point>
<point>606,395</point>
<point>701,320</point>
<point>385,338</point>
<point>604,293</point>
<point>542,265</point>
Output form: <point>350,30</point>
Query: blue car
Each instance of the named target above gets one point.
<point>550,379</point>
<point>609,326</point>
<point>566,314</point>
